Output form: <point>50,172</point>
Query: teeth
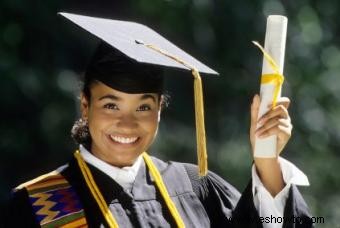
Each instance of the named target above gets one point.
<point>123,139</point>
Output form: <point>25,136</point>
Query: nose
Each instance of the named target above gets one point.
<point>127,122</point>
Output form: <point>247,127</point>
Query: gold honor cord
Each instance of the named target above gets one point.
<point>100,199</point>
<point>202,155</point>
<point>95,191</point>
<point>276,78</point>
<point>164,192</point>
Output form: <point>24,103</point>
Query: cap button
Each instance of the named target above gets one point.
<point>139,42</point>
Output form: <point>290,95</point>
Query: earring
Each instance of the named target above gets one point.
<point>80,131</point>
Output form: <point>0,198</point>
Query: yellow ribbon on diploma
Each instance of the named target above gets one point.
<point>276,78</point>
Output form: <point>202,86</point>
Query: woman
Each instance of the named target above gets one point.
<point>111,182</point>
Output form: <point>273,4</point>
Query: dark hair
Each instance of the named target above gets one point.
<point>120,72</point>
<point>86,90</point>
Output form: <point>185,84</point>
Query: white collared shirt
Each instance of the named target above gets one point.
<point>273,207</point>
<point>123,176</point>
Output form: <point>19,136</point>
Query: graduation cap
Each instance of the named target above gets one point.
<point>137,42</point>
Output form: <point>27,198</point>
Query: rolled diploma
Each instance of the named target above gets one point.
<point>275,43</point>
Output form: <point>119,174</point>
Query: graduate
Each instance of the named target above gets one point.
<point>111,181</point>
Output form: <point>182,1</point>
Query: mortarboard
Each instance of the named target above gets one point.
<point>122,73</point>
<point>142,44</point>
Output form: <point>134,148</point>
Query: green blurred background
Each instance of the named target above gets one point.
<point>42,56</point>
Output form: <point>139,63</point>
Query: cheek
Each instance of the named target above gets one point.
<point>149,122</point>
<point>98,121</point>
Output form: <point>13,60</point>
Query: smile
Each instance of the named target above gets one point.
<point>123,140</point>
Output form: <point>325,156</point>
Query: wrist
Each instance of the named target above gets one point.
<point>269,172</point>
<point>265,163</point>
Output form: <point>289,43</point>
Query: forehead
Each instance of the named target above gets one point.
<point>100,91</point>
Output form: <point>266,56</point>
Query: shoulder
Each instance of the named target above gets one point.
<point>45,181</point>
<point>19,205</point>
<point>202,186</point>
<point>48,200</point>
<point>211,185</point>
<point>218,197</point>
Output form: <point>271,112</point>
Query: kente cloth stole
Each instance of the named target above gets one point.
<point>55,202</point>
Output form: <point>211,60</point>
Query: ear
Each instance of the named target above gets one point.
<point>84,106</point>
<point>160,106</point>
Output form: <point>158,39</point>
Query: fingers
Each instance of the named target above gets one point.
<point>276,121</point>
<point>285,101</point>
<point>282,133</point>
<point>274,127</point>
<point>279,111</point>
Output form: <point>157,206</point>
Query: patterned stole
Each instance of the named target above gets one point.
<point>54,201</point>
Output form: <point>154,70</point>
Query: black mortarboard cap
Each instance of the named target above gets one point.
<point>122,73</point>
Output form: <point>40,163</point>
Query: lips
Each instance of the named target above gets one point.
<point>124,140</point>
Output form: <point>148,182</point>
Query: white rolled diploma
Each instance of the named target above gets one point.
<point>275,43</point>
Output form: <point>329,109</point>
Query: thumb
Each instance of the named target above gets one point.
<point>254,110</point>
<point>255,106</point>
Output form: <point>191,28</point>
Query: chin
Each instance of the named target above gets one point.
<point>123,160</point>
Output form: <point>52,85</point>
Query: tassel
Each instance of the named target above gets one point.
<point>202,156</point>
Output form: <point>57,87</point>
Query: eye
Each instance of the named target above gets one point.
<point>111,106</point>
<point>143,107</point>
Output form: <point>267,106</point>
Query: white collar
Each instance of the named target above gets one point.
<point>124,176</point>
<point>290,173</point>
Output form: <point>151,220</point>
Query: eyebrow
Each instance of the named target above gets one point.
<point>148,96</point>
<point>115,98</point>
<point>110,96</point>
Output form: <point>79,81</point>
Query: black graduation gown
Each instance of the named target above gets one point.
<point>201,202</point>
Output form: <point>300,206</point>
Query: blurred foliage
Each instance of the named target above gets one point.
<point>42,56</point>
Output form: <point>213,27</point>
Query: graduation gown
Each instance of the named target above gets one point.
<point>202,202</point>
